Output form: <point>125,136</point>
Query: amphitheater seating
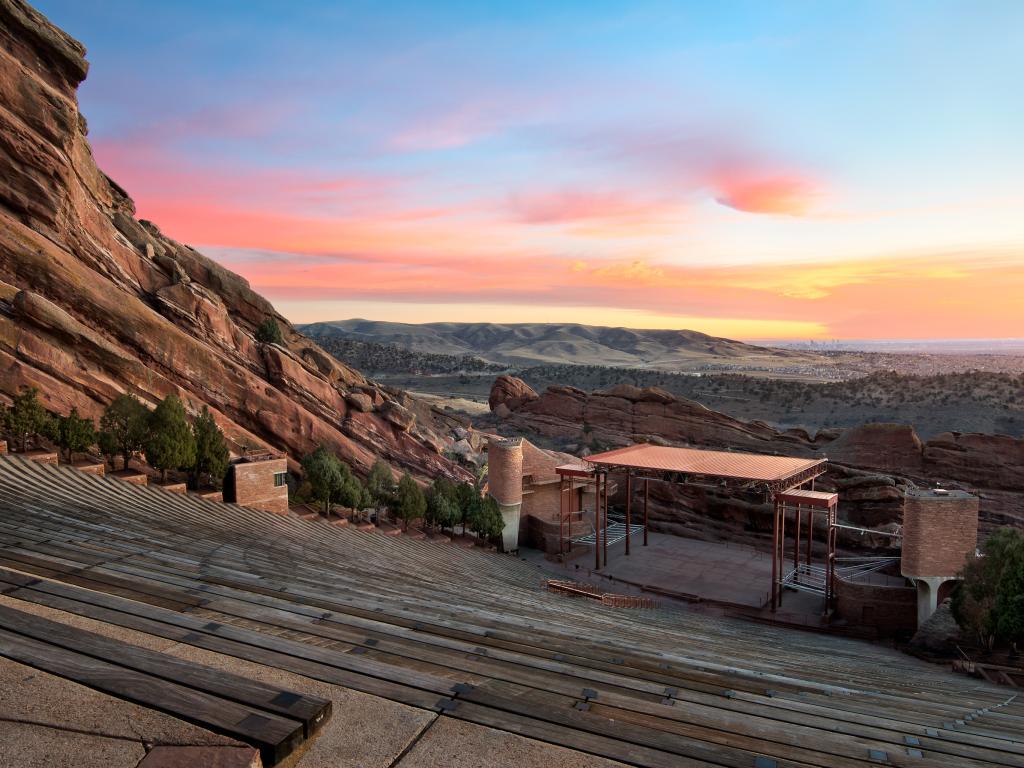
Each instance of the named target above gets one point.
<point>469,635</point>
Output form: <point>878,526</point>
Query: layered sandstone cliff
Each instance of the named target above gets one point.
<point>94,302</point>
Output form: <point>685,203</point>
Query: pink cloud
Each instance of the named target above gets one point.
<point>576,206</point>
<point>779,194</point>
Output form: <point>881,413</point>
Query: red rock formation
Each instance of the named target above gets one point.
<point>94,302</point>
<point>626,414</point>
<point>510,392</point>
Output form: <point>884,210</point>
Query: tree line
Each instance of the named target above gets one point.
<point>164,434</point>
<point>444,505</point>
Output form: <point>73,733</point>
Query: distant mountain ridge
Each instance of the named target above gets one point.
<point>533,343</point>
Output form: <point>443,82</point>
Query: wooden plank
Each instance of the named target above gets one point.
<point>310,711</point>
<point>275,736</point>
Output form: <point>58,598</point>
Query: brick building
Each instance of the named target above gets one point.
<point>940,531</point>
<point>259,482</point>
<point>522,479</point>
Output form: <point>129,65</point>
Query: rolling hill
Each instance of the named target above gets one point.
<point>535,343</point>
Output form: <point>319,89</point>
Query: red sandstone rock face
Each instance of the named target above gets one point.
<point>625,414</point>
<point>94,302</point>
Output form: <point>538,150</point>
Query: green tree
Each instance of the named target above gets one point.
<point>325,475</point>
<point>410,503</point>
<point>353,493</point>
<point>75,433</point>
<point>123,427</point>
<point>380,483</point>
<point>487,522</point>
<point>169,443</point>
<point>211,450</point>
<point>442,504</point>
<point>468,501</point>
<point>269,332</point>
<point>27,417</point>
<point>108,447</point>
<point>990,599</point>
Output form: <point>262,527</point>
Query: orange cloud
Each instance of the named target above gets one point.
<point>774,194</point>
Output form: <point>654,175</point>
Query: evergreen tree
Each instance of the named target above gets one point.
<point>325,475</point>
<point>487,522</point>
<point>27,417</point>
<point>169,443</point>
<point>468,502</point>
<point>211,450</point>
<point>410,503</point>
<point>353,493</point>
<point>75,433</point>
<point>123,427</point>
<point>380,484</point>
<point>990,599</point>
<point>108,447</point>
<point>269,332</point>
<point>442,504</point>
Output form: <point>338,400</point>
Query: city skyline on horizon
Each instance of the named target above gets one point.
<point>763,173</point>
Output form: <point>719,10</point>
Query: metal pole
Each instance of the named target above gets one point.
<point>775,556</point>
<point>561,514</point>
<point>597,522</point>
<point>796,539</point>
<point>645,511</point>
<point>782,548</point>
<point>629,504</point>
<point>604,512</point>
<point>810,534</point>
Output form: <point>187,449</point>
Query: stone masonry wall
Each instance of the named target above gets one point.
<point>254,485</point>
<point>890,610</point>
<point>939,532</point>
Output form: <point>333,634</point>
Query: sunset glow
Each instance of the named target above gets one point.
<point>752,170</point>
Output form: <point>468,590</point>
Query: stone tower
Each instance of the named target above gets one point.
<point>505,485</point>
<point>940,531</point>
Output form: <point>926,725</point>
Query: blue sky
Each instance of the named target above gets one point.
<point>752,169</point>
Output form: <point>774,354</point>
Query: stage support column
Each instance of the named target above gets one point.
<point>774,556</point>
<point>561,514</point>
<point>604,513</point>
<point>629,504</point>
<point>796,538</point>
<point>645,511</point>
<point>810,534</point>
<point>782,548</point>
<point>597,521</point>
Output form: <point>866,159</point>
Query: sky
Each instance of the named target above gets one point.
<point>804,170</point>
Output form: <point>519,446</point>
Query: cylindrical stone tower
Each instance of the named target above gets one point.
<point>505,484</point>
<point>940,531</point>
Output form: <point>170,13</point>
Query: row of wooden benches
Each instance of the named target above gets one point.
<point>474,636</point>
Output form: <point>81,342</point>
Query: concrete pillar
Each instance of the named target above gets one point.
<point>927,596</point>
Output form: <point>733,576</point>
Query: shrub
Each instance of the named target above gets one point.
<point>269,332</point>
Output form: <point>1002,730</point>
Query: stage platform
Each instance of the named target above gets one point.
<point>713,571</point>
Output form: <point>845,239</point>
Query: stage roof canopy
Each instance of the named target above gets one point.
<point>775,470</point>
